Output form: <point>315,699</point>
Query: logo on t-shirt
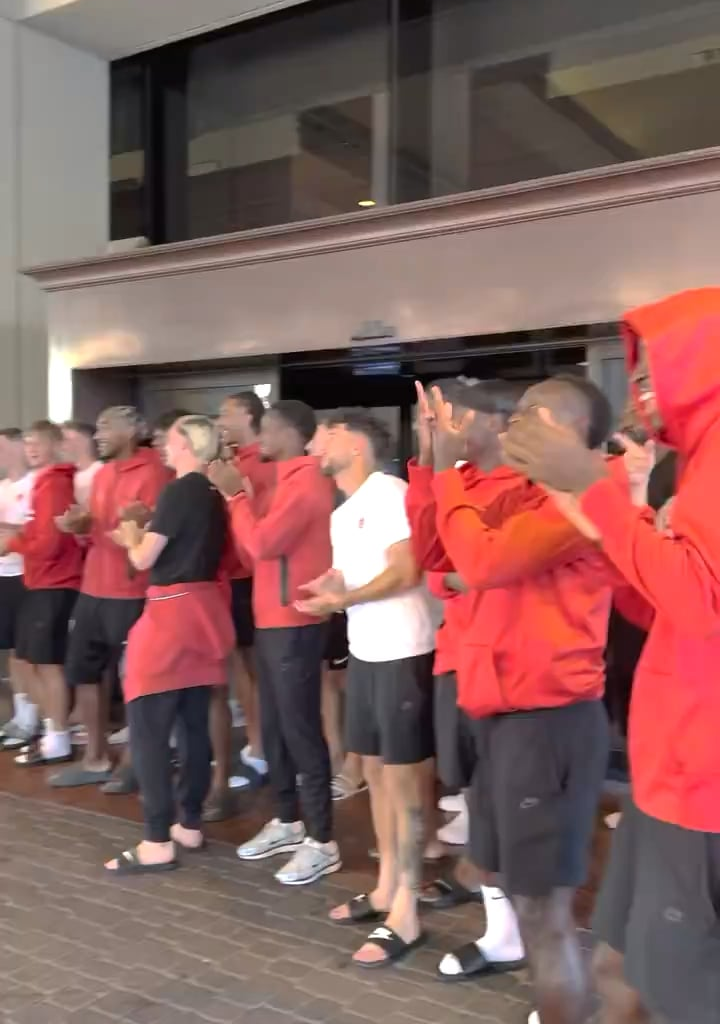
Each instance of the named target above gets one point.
<point>361,523</point>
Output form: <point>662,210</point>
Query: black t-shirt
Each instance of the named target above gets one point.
<point>192,515</point>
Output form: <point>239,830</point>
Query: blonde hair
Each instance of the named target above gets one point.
<point>201,434</point>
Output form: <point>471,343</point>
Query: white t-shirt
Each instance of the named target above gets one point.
<point>83,483</point>
<point>362,529</point>
<point>15,498</point>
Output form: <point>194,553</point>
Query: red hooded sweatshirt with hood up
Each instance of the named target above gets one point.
<point>53,560</point>
<point>290,544</point>
<point>675,705</point>
<point>119,483</point>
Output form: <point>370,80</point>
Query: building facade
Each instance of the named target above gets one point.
<point>340,196</point>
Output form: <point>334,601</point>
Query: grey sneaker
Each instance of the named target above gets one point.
<point>275,837</point>
<point>312,861</point>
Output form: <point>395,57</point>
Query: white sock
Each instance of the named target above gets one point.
<point>534,1018</point>
<point>501,942</point>
<point>25,713</point>
<point>55,744</point>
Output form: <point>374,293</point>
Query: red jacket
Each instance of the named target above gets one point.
<point>422,512</point>
<point>119,483</point>
<point>290,544</point>
<point>53,560</point>
<point>261,475</point>
<point>675,706</point>
<point>537,626</point>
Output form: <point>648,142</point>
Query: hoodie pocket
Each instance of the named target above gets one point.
<point>284,582</point>
<point>479,690</point>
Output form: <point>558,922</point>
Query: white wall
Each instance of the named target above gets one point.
<point>54,194</point>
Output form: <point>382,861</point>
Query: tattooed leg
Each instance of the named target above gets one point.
<point>403,789</point>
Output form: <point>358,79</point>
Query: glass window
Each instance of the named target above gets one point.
<point>285,118</point>
<point>521,90</point>
<point>127,151</point>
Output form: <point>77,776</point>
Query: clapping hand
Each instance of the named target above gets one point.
<point>327,595</point>
<point>228,479</point>
<point>75,520</point>
<point>639,462</point>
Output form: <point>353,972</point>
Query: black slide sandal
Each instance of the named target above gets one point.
<point>395,948</point>
<point>128,863</point>
<point>473,964</point>
<point>361,911</point>
<point>446,893</point>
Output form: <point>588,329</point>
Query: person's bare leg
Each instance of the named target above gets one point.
<point>620,1003</point>
<point>221,742</point>
<point>22,684</point>
<point>382,895</point>
<point>92,701</point>
<point>549,932</point>
<point>332,716</point>
<point>243,669</point>
<point>352,769</point>
<point>56,695</point>
<point>434,849</point>
<point>403,785</point>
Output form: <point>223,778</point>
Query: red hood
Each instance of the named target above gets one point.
<point>682,338</point>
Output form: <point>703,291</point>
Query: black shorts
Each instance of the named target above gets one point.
<point>336,645</point>
<point>659,905</point>
<point>242,611</point>
<point>98,632</point>
<point>535,794</point>
<point>42,626</point>
<point>12,594</point>
<point>389,709</point>
<point>454,740</point>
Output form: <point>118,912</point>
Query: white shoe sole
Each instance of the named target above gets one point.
<point>330,869</point>
<point>285,848</point>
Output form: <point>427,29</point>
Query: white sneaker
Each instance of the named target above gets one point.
<point>238,782</point>
<point>276,837</point>
<point>457,831</point>
<point>258,764</point>
<point>312,861</point>
<point>452,804</point>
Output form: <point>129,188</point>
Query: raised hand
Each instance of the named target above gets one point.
<point>425,425</point>
<point>449,438</point>
<point>639,462</point>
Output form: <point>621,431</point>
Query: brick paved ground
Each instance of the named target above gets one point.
<point>214,942</point>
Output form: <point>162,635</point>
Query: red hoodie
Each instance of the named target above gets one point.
<point>117,484</point>
<point>53,560</point>
<point>675,706</point>
<point>537,626</point>
<point>290,544</point>
<point>427,546</point>
<point>261,474</point>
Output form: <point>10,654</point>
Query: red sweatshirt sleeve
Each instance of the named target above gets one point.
<point>675,573</point>
<point>40,538</point>
<point>524,544</point>
<point>633,607</point>
<point>278,532</point>
<point>436,586</point>
<point>422,515</point>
